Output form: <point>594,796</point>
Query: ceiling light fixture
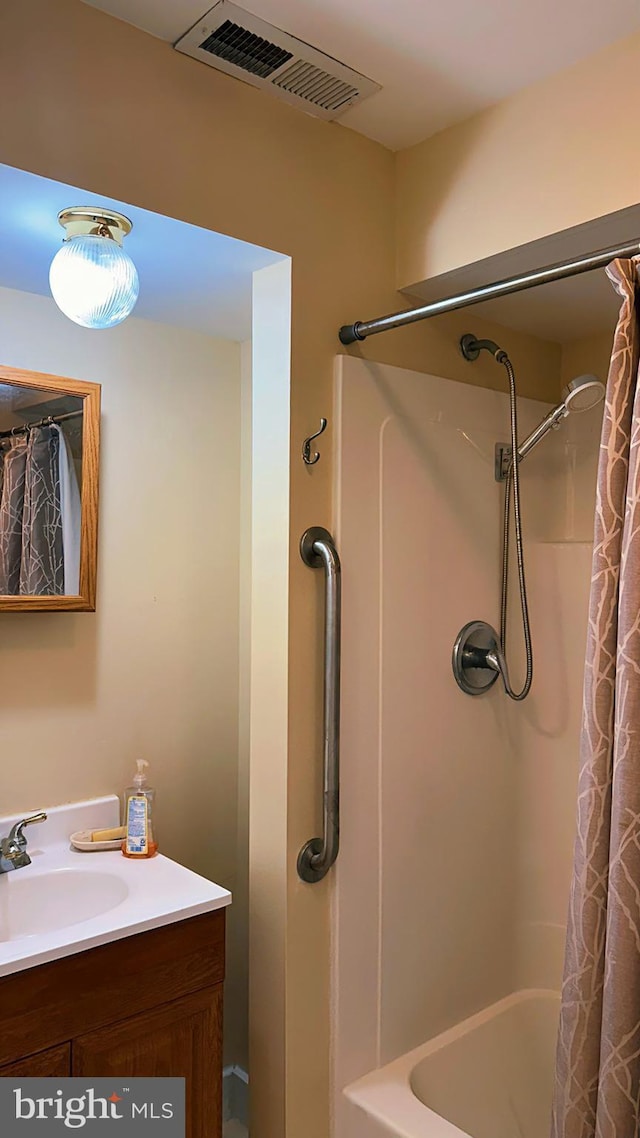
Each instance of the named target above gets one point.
<point>92,280</point>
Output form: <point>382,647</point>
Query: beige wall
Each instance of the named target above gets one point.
<point>154,672</point>
<point>99,104</point>
<point>588,356</point>
<point>176,137</point>
<point>269,696</point>
<point>555,155</point>
<point>239,943</point>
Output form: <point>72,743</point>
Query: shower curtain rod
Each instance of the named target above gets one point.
<point>351,333</point>
<point>40,423</point>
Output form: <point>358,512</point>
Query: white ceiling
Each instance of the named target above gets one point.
<point>438,62</point>
<point>190,277</point>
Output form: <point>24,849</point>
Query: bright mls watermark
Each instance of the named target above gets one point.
<point>112,1108</point>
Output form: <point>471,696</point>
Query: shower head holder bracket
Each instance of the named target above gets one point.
<point>502,461</point>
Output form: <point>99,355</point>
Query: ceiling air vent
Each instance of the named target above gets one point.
<point>237,42</point>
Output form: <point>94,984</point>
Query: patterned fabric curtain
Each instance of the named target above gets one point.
<point>31,555</point>
<point>71,510</point>
<point>597,1092</point>
<point>13,453</point>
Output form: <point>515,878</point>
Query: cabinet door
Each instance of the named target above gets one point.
<point>183,1038</point>
<point>46,1064</point>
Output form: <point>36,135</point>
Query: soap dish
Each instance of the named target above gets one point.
<point>81,840</point>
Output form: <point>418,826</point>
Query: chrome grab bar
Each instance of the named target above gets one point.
<point>315,859</point>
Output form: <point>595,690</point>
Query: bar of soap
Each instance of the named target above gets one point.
<point>108,835</point>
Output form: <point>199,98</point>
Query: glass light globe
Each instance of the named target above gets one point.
<point>93,281</point>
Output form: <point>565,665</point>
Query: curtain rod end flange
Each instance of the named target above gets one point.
<point>349,333</point>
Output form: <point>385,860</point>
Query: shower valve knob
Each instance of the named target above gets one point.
<point>477,657</point>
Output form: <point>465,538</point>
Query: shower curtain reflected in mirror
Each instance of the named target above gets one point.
<point>598,1060</point>
<point>39,515</point>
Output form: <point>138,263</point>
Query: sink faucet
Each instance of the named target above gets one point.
<point>13,848</point>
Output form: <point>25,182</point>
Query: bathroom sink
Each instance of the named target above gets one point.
<point>46,902</point>
<point>68,901</point>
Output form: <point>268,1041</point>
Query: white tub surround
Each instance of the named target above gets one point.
<point>66,901</point>
<point>458,813</point>
<point>488,1077</point>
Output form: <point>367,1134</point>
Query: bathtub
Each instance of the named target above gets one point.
<point>490,1076</point>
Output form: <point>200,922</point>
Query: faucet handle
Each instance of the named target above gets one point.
<point>17,833</point>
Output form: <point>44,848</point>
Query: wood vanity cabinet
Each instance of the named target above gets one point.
<point>46,1064</point>
<point>149,1004</point>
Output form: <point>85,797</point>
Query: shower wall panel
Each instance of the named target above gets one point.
<point>547,729</point>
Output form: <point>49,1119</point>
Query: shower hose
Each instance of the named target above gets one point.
<point>513,480</point>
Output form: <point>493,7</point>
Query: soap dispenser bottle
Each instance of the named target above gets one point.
<point>138,816</point>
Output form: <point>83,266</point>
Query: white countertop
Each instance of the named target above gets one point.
<point>143,894</point>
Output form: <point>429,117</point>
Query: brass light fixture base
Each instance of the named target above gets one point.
<point>97,222</point>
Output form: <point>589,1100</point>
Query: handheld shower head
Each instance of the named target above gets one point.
<point>581,394</point>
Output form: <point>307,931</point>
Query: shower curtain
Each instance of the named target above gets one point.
<point>597,1086</point>
<point>31,546</point>
<point>71,511</point>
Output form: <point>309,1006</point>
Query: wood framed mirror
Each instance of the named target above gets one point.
<point>49,461</point>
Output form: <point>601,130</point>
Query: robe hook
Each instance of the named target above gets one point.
<point>306,446</point>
